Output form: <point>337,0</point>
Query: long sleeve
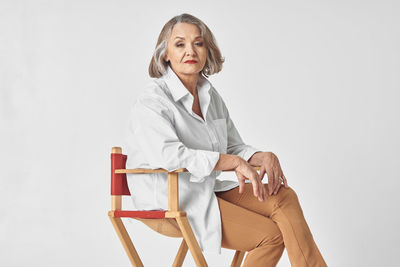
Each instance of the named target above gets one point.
<point>152,127</point>
<point>236,146</point>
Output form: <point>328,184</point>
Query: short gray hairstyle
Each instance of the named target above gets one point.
<point>158,65</point>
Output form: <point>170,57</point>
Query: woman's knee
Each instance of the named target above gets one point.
<point>272,243</point>
<point>270,235</point>
<point>273,240</point>
<point>289,192</point>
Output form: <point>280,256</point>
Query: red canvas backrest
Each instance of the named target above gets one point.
<point>119,185</point>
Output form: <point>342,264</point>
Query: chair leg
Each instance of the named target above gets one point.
<point>191,241</point>
<point>238,258</point>
<point>126,242</point>
<point>180,256</point>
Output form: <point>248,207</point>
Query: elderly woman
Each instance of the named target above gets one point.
<point>181,121</point>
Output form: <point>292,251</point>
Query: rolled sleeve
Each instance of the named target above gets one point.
<point>202,164</point>
<point>153,133</point>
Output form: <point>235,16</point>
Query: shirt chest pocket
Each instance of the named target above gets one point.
<point>221,134</point>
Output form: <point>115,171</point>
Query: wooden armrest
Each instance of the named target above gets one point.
<point>164,170</point>
<point>148,170</point>
<point>173,193</point>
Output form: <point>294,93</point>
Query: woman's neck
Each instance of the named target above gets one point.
<point>190,82</point>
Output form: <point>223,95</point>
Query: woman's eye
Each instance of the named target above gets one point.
<point>181,44</point>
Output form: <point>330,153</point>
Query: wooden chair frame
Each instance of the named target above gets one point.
<point>119,188</point>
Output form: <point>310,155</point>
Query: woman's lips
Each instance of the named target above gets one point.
<point>191,61</point>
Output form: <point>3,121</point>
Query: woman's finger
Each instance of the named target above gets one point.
<point>264,191</point>
<point>277,188</point>
<point>285,181</point>
<point>258,181</point>
<point>262,197</point>
<point>262,172</point>
<point>276,180</point>
<point>283,177</point>
<point>241,183</point>
<point>270,182</point>
<point>276,184</point>
<point>255,187</point>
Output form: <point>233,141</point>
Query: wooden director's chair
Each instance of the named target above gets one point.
<point>172,222</point>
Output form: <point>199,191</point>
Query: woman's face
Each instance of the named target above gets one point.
<point>185,43</point>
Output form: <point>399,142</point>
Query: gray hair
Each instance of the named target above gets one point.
<point>158,65</point>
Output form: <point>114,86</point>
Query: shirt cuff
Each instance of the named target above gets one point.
<point>202,165</point>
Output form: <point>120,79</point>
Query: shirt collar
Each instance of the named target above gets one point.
<point>180,93</point>
<point>178,90</point>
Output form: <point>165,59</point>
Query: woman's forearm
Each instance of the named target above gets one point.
<point>230,162</point>
<point>227,162</point>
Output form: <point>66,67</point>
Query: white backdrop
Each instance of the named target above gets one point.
<point>316,82</point>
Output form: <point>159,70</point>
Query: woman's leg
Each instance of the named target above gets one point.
<point>283,209</point>
<point>245,230</point>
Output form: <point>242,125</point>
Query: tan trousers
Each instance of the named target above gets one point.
<point>264,229</point>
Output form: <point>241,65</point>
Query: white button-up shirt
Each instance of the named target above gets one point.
<point>164,132</point>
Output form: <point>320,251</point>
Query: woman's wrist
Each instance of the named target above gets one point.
<point>257,158</point>
<point>227,162</point>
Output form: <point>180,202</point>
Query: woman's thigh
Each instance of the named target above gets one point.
<point>243,229</point>
<point>248,201</point>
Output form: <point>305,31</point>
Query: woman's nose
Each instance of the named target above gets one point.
<point>189,50</point>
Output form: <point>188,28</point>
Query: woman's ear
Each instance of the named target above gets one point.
<point>166,58</point>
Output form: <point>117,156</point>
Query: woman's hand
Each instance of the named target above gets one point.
<point>270,165</point>
<point>245,171</point>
